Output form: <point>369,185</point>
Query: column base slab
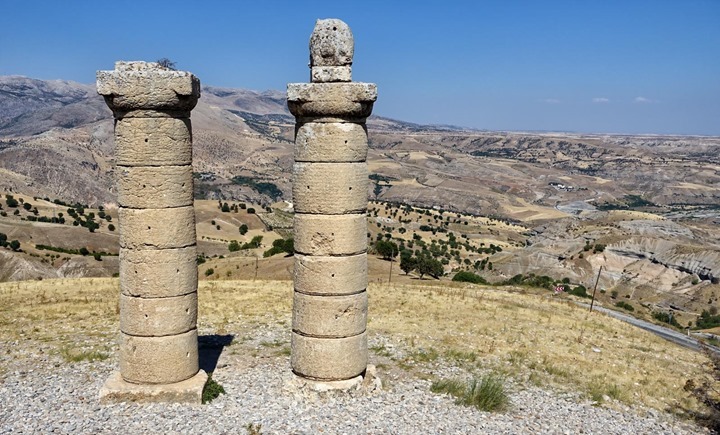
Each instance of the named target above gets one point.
<point>368,382</point>
<point>117,390</point>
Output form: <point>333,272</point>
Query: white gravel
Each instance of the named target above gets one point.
<point>41,393</point>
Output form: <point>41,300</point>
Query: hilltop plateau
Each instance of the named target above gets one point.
<point>561,368</point>
<point>560,205</point>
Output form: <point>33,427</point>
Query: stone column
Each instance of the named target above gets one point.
<point>158,272</point>
<point>330,188</point>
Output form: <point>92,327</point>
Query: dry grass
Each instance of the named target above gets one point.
<point>528,337</point>
<point>539,339</point>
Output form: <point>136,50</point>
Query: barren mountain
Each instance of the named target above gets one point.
<point>651,202</point>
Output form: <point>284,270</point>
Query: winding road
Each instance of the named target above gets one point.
<point>666,333</point>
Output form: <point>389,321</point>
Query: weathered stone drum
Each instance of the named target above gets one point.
<point>330,184</point>
<point>158,271</point>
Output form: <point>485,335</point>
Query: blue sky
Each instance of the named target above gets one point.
<point>627,66</point>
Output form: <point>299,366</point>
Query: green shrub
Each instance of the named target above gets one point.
<point>625,306</point>
<point>209,272</point>
<point>253,243</point>
<point>11,201</point>
<point>470,277</point>
<point>280,246</point>
<point>580,291</point>
<point>486,394</point>
<point>212,390</point>
<point>664,317</point>
<point>707,320</point>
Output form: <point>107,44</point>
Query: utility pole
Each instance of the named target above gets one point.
<point>392,252</point>
<point>594,289</point>
<point>256,267</point>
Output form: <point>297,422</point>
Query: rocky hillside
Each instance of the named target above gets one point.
<point>651,203</point>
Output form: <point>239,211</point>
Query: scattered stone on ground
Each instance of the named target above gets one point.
<point>42,393</point>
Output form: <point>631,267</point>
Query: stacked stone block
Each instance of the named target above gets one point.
<point>330,187</point>
<point>158,272</point>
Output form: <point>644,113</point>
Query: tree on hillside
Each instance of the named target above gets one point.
<point>15,245</point>
<point>243,229</point>
<point>253,244</point>
<point>429,266</point>
<point>280,245</point>
<point>234,246</point>
<point>408,263</point>
<point>11,201</point>
<point>387,249</point>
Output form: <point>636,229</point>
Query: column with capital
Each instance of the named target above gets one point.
<point>330,198</point>
<point>158,271</point>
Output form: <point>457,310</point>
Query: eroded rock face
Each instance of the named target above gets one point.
<point>330,184</point>
<point>158,271</point>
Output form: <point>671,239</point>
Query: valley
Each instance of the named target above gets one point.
<point>562,205</point>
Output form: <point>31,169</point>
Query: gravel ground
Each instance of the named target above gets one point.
<point>41,393</point>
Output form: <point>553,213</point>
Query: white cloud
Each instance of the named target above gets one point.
<point>551,101</point>
<point>600,100</point>
<point>643,100</point>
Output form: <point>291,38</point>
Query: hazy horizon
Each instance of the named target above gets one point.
<point>640,67</point>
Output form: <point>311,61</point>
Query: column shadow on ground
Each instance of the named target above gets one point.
<point>210,348</point>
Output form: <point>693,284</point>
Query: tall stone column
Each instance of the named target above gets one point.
<point>158,272</point>
<point>330,188</point>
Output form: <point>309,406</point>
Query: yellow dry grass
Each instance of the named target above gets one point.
<point>532,337</point>
<point>524,211</point>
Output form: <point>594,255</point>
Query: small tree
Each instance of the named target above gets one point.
<point>429,266</point>
<point>166,63</point>
<point>408,263</point>
<point>15,245</point>
<point>234,246</point>
<point>243,229</point>
<point>387,249</point>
